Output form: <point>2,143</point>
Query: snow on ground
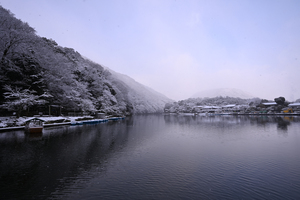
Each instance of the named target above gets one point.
<point>13,121</point>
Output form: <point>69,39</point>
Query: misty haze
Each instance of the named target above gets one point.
<point>129,99</point>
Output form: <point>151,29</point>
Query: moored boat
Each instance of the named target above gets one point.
<point>34,125</point>
<point>73,123</point>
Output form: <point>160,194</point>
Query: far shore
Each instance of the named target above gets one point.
<point>216,114</point>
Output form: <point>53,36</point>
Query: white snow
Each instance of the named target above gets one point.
<point>5,121</point>
<point>229,106</point>
<point>294,104</point>
<point>269,103</point>
<point>143,98</point>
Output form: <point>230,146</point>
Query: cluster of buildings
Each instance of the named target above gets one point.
<point>262,108</point>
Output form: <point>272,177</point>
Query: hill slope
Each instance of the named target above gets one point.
<point>142,98</point>
<point>37,75</point>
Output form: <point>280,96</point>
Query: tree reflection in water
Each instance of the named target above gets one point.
<point>155,157</point>
<point>44,163</point>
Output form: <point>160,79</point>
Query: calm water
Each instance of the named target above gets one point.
<point>156,157</point>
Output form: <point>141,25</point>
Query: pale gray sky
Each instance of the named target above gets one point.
<point>180,47</point>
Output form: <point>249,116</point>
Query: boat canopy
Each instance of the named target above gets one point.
<point>34,119</point>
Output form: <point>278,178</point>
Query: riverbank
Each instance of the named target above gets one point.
<point>13,123</point>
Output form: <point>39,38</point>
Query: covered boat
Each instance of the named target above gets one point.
<point>34,125</point>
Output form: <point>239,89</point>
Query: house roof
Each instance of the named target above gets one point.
<point>229,106</point>
<point>211,107</point>
<point>294,104</point>
<point>269,103</point>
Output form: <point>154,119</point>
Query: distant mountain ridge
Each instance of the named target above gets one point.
<point>143,98</point>
<point>223,92</point>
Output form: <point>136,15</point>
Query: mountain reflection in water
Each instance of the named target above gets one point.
<point>156,157</point>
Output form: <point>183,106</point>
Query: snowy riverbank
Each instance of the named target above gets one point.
<point>6,122</point>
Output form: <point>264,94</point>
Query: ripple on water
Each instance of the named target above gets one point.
<point>157,157</point>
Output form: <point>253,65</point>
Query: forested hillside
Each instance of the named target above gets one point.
<point>37,74</point>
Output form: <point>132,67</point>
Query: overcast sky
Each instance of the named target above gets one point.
<point>180,47</point>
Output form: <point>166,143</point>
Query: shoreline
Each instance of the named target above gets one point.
<point>71,123</point>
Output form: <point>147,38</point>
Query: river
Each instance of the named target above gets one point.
<point>156,157</point>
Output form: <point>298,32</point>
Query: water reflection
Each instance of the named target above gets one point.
<point>155,157</point>
<point>43,163</point>
<point>233,120</point>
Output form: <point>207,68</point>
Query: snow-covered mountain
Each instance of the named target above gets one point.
<point>224,92</point>
<point>142,98</point>
<point>38,76</point>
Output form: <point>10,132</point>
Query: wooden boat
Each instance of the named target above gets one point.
<point>34,125</point>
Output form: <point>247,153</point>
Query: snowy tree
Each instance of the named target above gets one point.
<point>280,100</point>
<point>18,100</point>
<point>74,82</point>
<point>13,34</point>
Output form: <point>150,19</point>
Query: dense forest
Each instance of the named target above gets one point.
<point>39,76</point>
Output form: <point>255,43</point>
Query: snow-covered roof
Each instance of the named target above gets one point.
<point>35,118</point>
<point>198,106</point>
<point>229,106</point>
<point>211,107</point>
<point>269,103</point>
<point>294,104</point>
<point>242,106</point>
